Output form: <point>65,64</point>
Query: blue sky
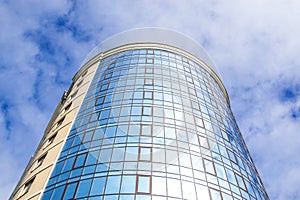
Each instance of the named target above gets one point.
<point>255,45</point>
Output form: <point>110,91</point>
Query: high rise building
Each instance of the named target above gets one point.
<point>146,117</point>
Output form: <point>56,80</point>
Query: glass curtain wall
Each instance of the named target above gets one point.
<point>154,125</point>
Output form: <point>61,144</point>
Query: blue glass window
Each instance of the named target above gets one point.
<point>57,194</point>
<point>145,153</point>
<point>128,184</point>
<point>148,95</point>
<point>68,164</point>
<point>147,110</point>
<point>80,160</point>
<point>105,155</point>
<point>98,186</point>
<point>70,191</point>
<point>114,184</point>
<point>143,184</point>
<point>83,188</point>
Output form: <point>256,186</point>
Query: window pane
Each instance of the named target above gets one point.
<point>209,166</point>
<point>68,164</point>
<point>98,186</point>
<point>83,188</point>
<point>174,188</point>
<point>159,185</point>
<point>92,158</point>
<point>105,155</point>
<point>145,153</point>
<point>220,171</point>
<point>147,110</point>
<point>69,193</point>
<point>143,184</point>
<point>215,195</point>
<point>146,130</point>
<point>188,190</point>
<point>118,154</point>
<point>58,192</point>
<point>113,184</point>
<point>202,192</point>
<point>148,95</point>
<point>80,160</point>
<point>128,184</point>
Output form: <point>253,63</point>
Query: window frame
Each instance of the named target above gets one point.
<point>137,184</point>
<point>40,160</point>
<point>27,186</point>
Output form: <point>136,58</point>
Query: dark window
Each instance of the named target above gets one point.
<point>27,186</point>
<point>51,139</point>
<point>67,107</point>
<point>79,83</point>
<point>84,73</point>
<point>60,121</point>
<point>74,94</point>
<point>41,160</point>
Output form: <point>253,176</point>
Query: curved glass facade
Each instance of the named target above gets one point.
<point>154,125</point>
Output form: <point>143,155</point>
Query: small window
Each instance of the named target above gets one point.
<point>40,160</point>
<point>79,83</point>
<point>203,142</point>
<point>80,160</point>
<point>51,139</point>
<point>70,190</point>
<point>215,194</point>
<point>100,101</point>
<point>74,94</point>
<point>146,130</point>
<point>148,81</point>
<point>199,122</point>
<point>149,60</point>
<point>143,184</point>
<point>240,181</point>
<point>209,167</point>
<point>84,73</point>
<point>189,79</point>
<point>145,153</point>
<point>60,122</point>
<point>147,110</point>
<point>111,66</point>
<point>232,156</point>
<point>149,70</point>
<point>67,107</point>
<point>27,186</point>
<point>150,51</point>
<point>148,95</point>
<point>107,76</point>
<point>104,87</point>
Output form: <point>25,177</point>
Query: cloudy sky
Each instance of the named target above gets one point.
<point>255,44</point>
